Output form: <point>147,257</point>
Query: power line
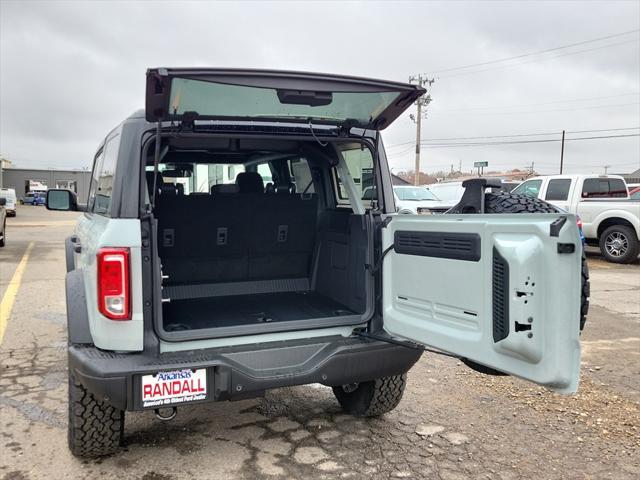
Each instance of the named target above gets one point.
<point>538,52</point>
<point>540,104</point>
<point>603,130</point>
<point>516,142</point>
<point>498,165</point>
<point>544,140</point>
<point>516,135</point>
<point>524,112</point>
<point>535,60</point>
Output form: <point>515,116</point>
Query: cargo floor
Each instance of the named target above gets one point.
<point>194,314</point>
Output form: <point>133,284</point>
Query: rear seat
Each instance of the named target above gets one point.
<point>224,188</point>
<point>229,237</point>
<point>282,236</point>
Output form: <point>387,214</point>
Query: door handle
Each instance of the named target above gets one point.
<point>77,247</point>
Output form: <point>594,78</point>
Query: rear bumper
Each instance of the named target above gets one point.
<point>242,372</point>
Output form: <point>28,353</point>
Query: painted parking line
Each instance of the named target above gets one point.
<point>12,291</point>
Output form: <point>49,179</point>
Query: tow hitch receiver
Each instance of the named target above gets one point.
<point>170,416</point>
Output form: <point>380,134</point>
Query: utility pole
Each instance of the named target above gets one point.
<point>562,153</point>
<point>531,169</point>
<point>606,167</point>
<point>422,81</point>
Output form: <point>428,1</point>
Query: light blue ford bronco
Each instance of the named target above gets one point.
<point>226,249</point>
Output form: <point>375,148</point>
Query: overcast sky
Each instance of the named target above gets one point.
<point>70,71</point>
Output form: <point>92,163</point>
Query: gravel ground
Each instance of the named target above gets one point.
<point>453,423</point>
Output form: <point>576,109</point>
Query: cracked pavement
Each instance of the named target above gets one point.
<point>453,423</point>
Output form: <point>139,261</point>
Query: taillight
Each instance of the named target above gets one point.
<point>114,300</point>
<point>579,222</point>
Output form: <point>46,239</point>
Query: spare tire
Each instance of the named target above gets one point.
<point>505,202</point>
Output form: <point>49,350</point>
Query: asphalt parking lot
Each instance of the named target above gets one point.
<point>452,423</point>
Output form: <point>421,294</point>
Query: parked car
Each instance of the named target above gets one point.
<point>10,205</point>
<point>449,193</point>
<point>417,200</point>
<point>508,186</point>
<point>175,299</point>
<point>34,198</point>
<point>3,221</point>
<point>609,219</point>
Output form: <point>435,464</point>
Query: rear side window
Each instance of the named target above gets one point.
<point>360,164</point>
<point>604,188</point>
<point>104,168</point>
<point>97,165</point>
<point>530,187</point>
<point>301,175</point>
<point>558,189</point>
<point>285,175</point>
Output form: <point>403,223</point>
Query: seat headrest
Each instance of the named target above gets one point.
<point>250,182</point>
<point>224,188</point>
<point>168,189</point>
<point>284,188</point>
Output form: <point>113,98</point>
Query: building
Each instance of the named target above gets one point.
<point>23,180</point>
<point>633,177</point>
<point>396,180</point>
<point>4,163</point>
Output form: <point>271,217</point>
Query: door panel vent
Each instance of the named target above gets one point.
<point>500,284</point>
<point>456,246</point>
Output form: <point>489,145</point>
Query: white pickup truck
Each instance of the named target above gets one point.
<point>609,218</point>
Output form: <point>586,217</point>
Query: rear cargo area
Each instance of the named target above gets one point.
<point>246,258</point>
<point>251,309</point>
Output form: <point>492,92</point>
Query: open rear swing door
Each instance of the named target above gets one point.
<point>500,290</point>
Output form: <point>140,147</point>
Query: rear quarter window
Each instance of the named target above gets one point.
<point>558,189</point>
<point>360,164</point>
<point>604,188</point>
<point>104,170</point>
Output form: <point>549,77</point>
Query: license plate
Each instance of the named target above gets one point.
<point>172,388</point>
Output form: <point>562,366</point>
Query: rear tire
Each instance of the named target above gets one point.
<point>619,244</point>
<point>4,233</point>
<point>95,428</point>
<point>371,399</point>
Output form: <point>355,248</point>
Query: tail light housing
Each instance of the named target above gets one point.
<point>114,297</point>
<point>579,222</point>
